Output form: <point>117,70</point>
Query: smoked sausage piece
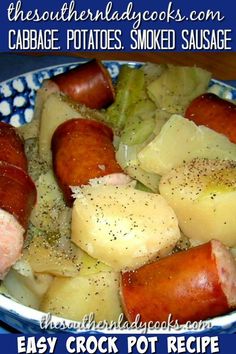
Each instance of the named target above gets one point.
<point>12,146</point>
<point>17,192</point>
<point>82,149</point>
<point>191,285</point>
<point>89,84</point>
<point>17,199</point>
<point>215,113</point>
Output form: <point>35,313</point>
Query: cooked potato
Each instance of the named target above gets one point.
<point>48,87</point>
<point>123,227</point>
<point>31,130</point>
<point>179,141</point>
<point>203,196</point>
<point>89,265</point>
<point>73,298</point>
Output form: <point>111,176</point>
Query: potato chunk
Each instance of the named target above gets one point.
<point>179,141</point>
<point>203,196</point>
<point>123,227</point>
<point>73,298</point>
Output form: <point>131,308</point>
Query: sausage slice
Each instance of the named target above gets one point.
<point>82,149</point>
<point>215,113</point>
<point>88,84</point>
<point>191,285</point>
<point>17,199</point>
<point>12,146</point>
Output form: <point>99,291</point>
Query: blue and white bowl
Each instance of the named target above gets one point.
<point>17,97</point>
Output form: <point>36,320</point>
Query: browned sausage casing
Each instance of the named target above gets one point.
<point>191,285</point>
<point>82,149</point>
<point>12,146</point>
<point>89,84</point>
<point>215,113</point>
<point>17,192</point>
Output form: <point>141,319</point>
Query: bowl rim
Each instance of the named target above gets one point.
<point>12,307</point>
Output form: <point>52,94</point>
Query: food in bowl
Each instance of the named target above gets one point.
<point>119,225</point>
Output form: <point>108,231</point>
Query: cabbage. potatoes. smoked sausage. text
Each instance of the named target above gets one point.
<point>191,285</point>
